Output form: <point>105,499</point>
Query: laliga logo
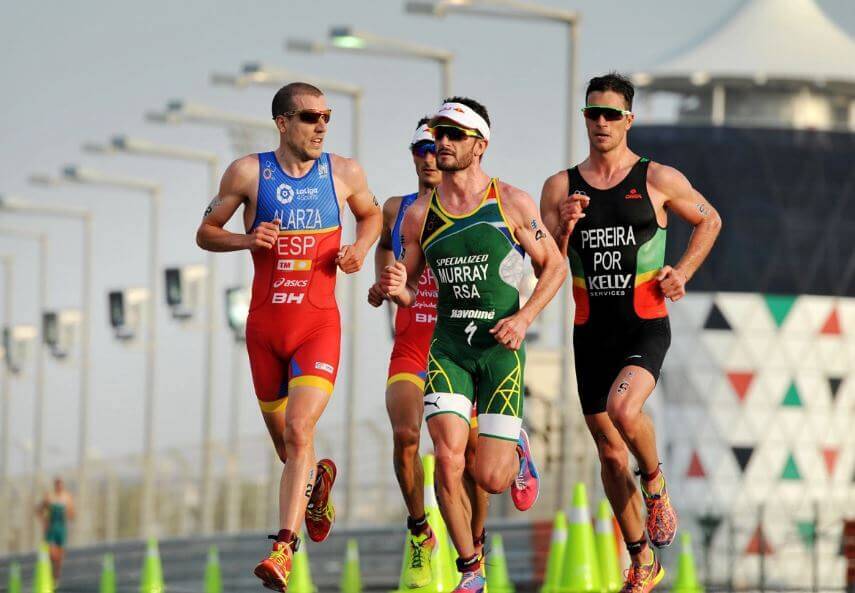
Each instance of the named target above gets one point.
<point>284,193</point>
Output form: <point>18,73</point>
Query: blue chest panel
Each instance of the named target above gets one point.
<point>306,203</point>
<point>406,202</point>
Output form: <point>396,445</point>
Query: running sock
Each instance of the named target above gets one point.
<point>471,564</point>
<point>418,526</point>
<point>481,539</point>
<point>635,548</point>
<point>289,537</point>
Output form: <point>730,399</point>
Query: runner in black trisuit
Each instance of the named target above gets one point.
<point>608,215</point>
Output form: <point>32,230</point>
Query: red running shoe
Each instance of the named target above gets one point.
<point>320,512</point>
<point>526,486</point>
<point>276,568</point>
<point>661,516</point>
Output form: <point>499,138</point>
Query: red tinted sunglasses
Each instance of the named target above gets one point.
<point>310,116</point>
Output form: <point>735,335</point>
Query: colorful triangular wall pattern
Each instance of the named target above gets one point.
<point>696,468</point>
<point>831,327</point>
<point>758,544</point>
<point>791,398</point>
<point>716,319</point>
<point>741,382</point>
<point>791,469</point>
<point>829,455</point>
<point>779,307</point>
<point>743,456</point>
<point>834,386</point>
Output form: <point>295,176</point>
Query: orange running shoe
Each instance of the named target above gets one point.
<point>661,516</point>
<point>643,578</point>
<point>320,512</point>
<point>276,568</point>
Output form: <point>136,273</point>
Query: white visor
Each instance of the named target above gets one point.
<point>422,134</point>
<point>464,116</point>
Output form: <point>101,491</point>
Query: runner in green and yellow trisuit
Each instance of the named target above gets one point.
<point>474,231</point>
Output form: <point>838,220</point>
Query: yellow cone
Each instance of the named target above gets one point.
<point>300,580</point>
<point>442,562</point>
<point>580,573</point>
<point>686,580</point>
<point>108,575</point>
<point>351,576</point>
<point>14,583</point>
<point>42,574</point>
<point>497,568</point>
<point>555,560</point>
<point>151,576</point>
<point>213,574</point>
<point>609,562</point>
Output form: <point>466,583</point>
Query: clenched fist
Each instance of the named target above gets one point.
<point>510,331</point>
<point>264,236</point>
<point>572,209</point>
<point>349,259</point>
<point>376,296</point>
<point>672,282</point>
<point>393,280</point>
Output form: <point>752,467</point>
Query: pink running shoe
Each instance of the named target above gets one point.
<point>526,486</point>
<point>472,582</point>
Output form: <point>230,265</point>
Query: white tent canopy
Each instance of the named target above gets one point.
<point>769,39</point>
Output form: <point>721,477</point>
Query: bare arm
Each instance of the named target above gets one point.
<point>545,256</point>
<point>366,211</point>
<point>211,235</point>
<point>561,211</point>
<point>401,280</point>
<point>383,253</point>
<point>687,203</point>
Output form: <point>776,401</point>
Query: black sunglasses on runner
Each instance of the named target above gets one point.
<point>422,148</point>
<point>593,112</point>
<point>310,116</point>
<point>453,133</point>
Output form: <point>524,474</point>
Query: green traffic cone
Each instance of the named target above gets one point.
<point>555,560</point>
<point>213,574</point>
<point>15,584</point>
<point>42,573</point>
<point>108,575</point>
<point>300,580</point>
<point>607,550</point>
<point>151,579</point>
<point>351,576</point>
<point>498,580</point>
<point>686,580</point>
<point>580,573</point>
<point>442,560</point>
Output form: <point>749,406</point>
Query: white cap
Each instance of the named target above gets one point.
<point>463,115</point>
<point>422,133</point>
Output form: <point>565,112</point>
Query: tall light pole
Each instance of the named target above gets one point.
<point>39,404</point>
<point>23,206</point>
<point>346,39</point>
<point>179,112</point>
<point>136,146</point>
<point>256,74</point>
<point>84,176</point>
<point>7,261</point>
<point>519,10</point>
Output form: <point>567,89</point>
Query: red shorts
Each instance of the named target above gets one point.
<point>407,363</point>
<point>284,355</point>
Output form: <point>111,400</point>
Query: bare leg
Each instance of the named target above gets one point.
<point>478,497</point>
<point>293,434</point>
<point>496,464</point>
<point>450,434</point>
<point>405,405</point>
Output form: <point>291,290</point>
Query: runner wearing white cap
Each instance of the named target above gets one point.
<point>406,380</point>
<point>473,231</point>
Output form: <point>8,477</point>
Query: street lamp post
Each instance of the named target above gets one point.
<point>181,112</point>
<point>74,174</point>
<point>8,262</point>
<point>18,205</point>
<point>256,74</point>
<point>135,146</point>
<point>518,10</point>
<point>39,403</point>
<point>346,39</point>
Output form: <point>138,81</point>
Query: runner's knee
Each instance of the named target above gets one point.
<point>299,433</point>
<point>613,456</point>
<point>449,466</point>
<point>405,437</point>
<point>493,479</point>
<point>624,417</point>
